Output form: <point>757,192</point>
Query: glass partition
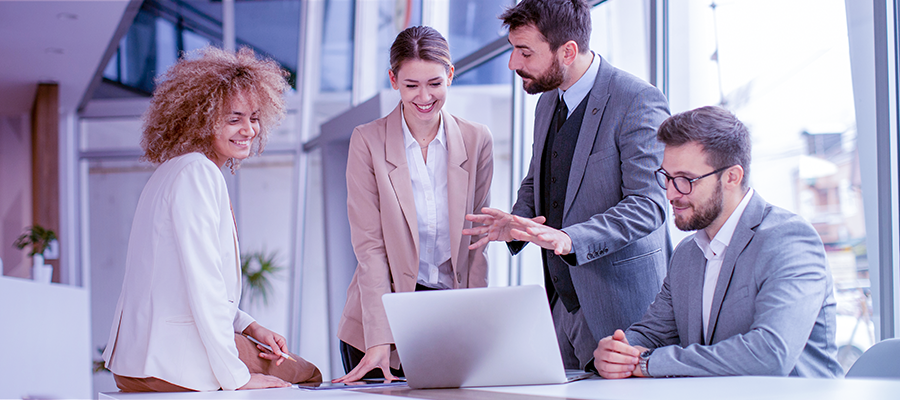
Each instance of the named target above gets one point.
<point>265,215</point>
<point>620,34</point>
<point>337,46</point>
<point>110,189</point>
<point>491,104</point>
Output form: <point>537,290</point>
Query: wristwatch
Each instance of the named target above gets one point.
<point>644,361</point>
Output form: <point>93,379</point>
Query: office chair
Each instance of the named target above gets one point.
<point>881,361</point>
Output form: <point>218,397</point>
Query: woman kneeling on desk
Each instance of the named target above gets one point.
<point>412,176</point>
<point>177,325</point>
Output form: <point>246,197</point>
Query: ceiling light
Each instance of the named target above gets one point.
<point>64,16</point>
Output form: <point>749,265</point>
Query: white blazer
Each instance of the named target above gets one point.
<point>178,310</point>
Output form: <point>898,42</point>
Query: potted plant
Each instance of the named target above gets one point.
<point>258,268</point>
<point>39,238</point>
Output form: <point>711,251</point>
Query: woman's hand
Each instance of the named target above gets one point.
<point>376,357</point>
<point>261,381</point>
<point>274,340</point>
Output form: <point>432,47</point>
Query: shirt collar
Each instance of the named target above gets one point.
<point>409,140</point>
<point>716,246</point>
<point>582,86</point>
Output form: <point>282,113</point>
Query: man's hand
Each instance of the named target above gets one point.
<point>376,357</point>
<point>542,235</point>
<point>497,224</point>
<point>615,358</point>
<point>274,340</point>
<point>261,381</point>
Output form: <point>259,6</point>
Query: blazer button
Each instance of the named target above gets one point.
<point>555,204</point>
<point>555,279</point>
<point>458,277</point>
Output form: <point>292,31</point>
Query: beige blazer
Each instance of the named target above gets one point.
<point>178,310</point>
<point>383,226</point>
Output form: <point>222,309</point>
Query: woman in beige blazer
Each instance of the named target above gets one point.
<point>412,176</point>
<point>177,324</point>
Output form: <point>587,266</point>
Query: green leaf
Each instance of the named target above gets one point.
<point>37,237</point>
<point>257,269</point>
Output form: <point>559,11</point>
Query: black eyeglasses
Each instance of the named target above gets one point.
<point>682,184</point>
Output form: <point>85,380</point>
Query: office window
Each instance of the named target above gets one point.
<point>491,104</point>
<point>272,28</point>
<point>337,46</point>
<point>165,29</point>
<point>783,67</point>
<point>620,35</point>
<point>472,25</point>
<point>393,17</point>
<point>475,23</point>
<point>137,53</point>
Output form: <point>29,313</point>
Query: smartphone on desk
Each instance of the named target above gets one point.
<point>361,384</point>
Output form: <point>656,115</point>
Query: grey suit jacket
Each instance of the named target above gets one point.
<point>614,210</point>
<point>773,310</point>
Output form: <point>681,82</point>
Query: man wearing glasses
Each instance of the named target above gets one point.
<point>750,293</point>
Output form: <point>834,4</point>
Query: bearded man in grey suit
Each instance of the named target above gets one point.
<point>750,293</point>
<point>589,198</point>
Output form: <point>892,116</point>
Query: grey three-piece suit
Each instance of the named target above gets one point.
<point>614,210</point>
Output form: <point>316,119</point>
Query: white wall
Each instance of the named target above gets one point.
<point>15,192</point>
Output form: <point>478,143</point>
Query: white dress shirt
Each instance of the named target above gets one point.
<point>576,93</point>
<point>429,183</point>
<point>714,251</point>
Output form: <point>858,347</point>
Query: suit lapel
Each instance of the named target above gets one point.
<point>457,180</point>
<point>395,154</point>
<point>743,232</point>
<point>590,124</point>
<point>695,274</point>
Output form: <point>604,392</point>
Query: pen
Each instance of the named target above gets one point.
<point>269,348</point>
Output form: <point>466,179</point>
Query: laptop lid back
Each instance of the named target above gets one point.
<point>475,337</point>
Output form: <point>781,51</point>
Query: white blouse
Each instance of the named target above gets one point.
<point>429,183</point>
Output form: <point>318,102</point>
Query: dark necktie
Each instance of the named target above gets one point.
<point>561,113</point>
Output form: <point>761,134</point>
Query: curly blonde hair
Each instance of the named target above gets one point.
<point>193,98</point>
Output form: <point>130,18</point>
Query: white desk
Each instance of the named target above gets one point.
<point>45,344</point>
<point>600,389</point>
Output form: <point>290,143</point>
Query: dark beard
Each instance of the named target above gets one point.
<point>547,81</point>
<point>703,217</point>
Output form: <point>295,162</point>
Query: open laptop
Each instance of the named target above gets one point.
<point>476,337</point>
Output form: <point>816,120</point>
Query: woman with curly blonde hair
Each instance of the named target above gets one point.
<point>177,326</point>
